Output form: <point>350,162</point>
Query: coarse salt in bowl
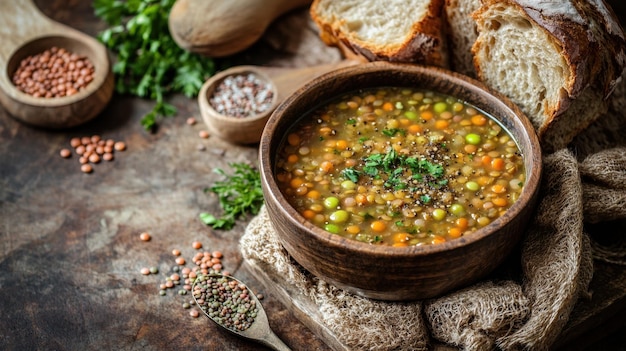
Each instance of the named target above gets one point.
<point>237,113</point>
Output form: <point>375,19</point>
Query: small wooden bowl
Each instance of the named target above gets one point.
<point>398,273</point>
<point>238,130</point>
<point>26,31</point>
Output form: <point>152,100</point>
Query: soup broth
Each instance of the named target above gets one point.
<point>399,167</point>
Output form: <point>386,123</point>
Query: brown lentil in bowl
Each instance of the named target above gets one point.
<point>400,167</point>
<point>53,73</point>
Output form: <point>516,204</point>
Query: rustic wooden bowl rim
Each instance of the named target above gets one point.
<point>334,240</point>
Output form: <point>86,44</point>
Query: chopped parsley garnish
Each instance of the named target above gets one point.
<point>238,194</point>
<point>398,171</point>
<point>390,132</point>
<point>351,174</point>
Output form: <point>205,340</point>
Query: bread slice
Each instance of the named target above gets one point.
<point>557,61</point>
<point>394,30</point>
<point>462,33</point>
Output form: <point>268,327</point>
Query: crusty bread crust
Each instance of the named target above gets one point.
<point>424,44</point>
<point>590,41</point>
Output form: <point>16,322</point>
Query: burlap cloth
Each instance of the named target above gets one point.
<point>526,304</point>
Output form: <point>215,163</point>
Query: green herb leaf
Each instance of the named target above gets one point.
<point>371,171</point>
<point>393,131</point>
<point>351,174</point>
<point>149,63</point>
<point>239,194</point>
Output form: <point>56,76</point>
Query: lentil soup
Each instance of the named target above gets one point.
<point>399,166</point>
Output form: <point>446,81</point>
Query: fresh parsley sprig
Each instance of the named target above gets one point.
<point>149,62</point>
<point>239,193</point>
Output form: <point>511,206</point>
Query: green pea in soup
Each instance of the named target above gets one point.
<point>399,166</point>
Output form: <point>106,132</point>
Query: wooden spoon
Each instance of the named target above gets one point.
<point>259,330</point>
<point>248,130</point>
<point>26,31</point>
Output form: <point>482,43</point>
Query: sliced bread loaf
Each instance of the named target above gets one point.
<point>394,30</point>
<point>558,61</point>
<point>462,33</point>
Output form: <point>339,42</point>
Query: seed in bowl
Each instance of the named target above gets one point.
<point>399,167</point>
<point>242,95</point>
<point>55,72</point>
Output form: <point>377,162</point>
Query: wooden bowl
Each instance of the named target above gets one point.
<point>398,273</point>
<point>238,130</point>
<point>26,31</point>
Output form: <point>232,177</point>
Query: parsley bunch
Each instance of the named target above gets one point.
<point>238,194</point>
<point>149,62</point>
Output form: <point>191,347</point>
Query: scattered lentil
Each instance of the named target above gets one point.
<point>53,73</point>
<point>107,156</point>
<point>196,245</point>
<point>191,121</point>
<point>145,271</point>
<point>119,146</point>
<point>176,252</point>
<point>145,236</point>
<point>180,261</point>
<point>86,168</point>
<point>242,95</point>
<point>65,153</point>
<point>92,149</point>
<point>75,142</point>
<point>203,134</point>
